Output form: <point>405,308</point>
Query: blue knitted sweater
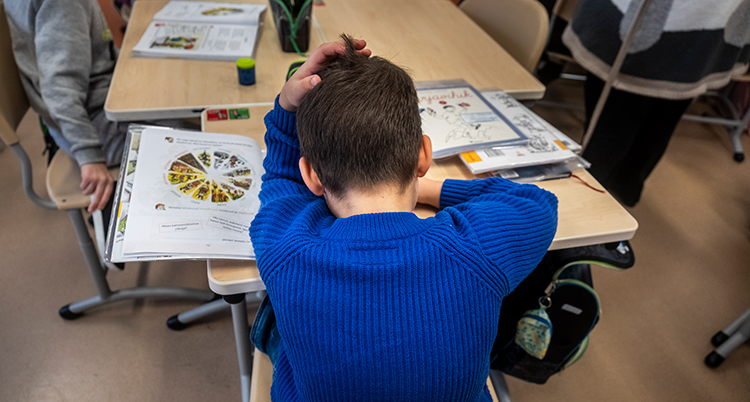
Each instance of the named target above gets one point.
<point>388,306</point>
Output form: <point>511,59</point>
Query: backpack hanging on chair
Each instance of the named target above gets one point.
<point>545,323</point>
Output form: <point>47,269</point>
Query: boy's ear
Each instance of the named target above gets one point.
<point>425,156</point>
<point>310,177</point>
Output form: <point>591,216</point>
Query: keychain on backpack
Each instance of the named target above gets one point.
<point>534,329</point>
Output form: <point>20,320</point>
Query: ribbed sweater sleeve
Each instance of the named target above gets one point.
<point>282,177</point>
<point>513,224</point>
<point>283,193</point>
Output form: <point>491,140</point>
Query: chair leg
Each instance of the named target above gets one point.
<point>178,322</point>
<point>98,275</point>
<point>739,155</point>
<point>242,340</point>
<point>735,338</point>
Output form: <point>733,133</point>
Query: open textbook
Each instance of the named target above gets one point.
<point>457,118</point>
<point>545,144</point>
<point>185,195</point>
<point>202,30</point>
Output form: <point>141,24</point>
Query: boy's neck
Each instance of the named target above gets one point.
<point>381,199</point>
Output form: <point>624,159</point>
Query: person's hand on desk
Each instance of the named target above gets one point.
<point>305,78</point>
<point>95,179</point>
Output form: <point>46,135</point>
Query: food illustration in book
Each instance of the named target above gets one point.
<point>217,194</point>
<point>190,187</point>
<point>239,173</point>
<point>121,225</point>
<point>176,36</point>
<point>220,158</point>
<point>190,159</point>
<point>233,192</point>
<point>180,167</point>
<point>176,42</point>
<point>177,178</point>
<point>222,11</point>
<point>241,183</point>
<point>205,158</point>
<point>204,183</point>
<point>202,193</point>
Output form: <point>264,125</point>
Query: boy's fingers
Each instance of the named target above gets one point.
<point>327,50</point>
<point>308,83</point>
<point>359,44</point>
<point>88,187</point>
<point>105,197</point>
<point>319,57</point>
<point>96,199</point>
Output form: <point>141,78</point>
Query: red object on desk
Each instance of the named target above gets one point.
<point>217,114</point>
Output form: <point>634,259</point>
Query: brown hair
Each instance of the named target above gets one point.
<point>360,127</point>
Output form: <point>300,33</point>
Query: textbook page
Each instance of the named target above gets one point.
<point>119,219</point>
<point>545,145</point>
<point>457,119</point>
<point>213,13</point>
<point>197,41</point>
<point>194,194</point>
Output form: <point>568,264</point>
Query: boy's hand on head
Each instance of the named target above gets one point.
<point>305,78</point>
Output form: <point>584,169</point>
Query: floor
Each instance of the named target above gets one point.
<point>690,280</point>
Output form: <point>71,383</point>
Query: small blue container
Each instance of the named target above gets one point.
<point>246,71</point>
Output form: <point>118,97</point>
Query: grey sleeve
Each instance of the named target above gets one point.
<point>63,52</point>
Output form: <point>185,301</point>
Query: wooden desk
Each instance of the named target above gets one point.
<point>432,38</point>
<point>585,217</point>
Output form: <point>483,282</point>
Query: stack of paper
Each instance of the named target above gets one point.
<point>545,144</point>
<point>185,195</point>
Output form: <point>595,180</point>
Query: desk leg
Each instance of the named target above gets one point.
<point>242,340</point>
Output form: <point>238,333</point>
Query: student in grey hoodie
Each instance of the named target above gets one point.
<point>66,57</point>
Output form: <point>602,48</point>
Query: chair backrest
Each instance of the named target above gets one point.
<point>565,9</point>
<point>13,100</point>
<point>519,26</point>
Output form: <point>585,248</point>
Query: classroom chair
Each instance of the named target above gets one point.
<point>735,124</point>
<point>728,339</point>
<point>63,179</point>
<point>262,378</point>
<point>519,26</point>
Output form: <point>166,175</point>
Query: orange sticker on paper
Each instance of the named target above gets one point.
<point>471,157</point>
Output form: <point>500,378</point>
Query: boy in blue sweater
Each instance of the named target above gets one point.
<point>371,302</point>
